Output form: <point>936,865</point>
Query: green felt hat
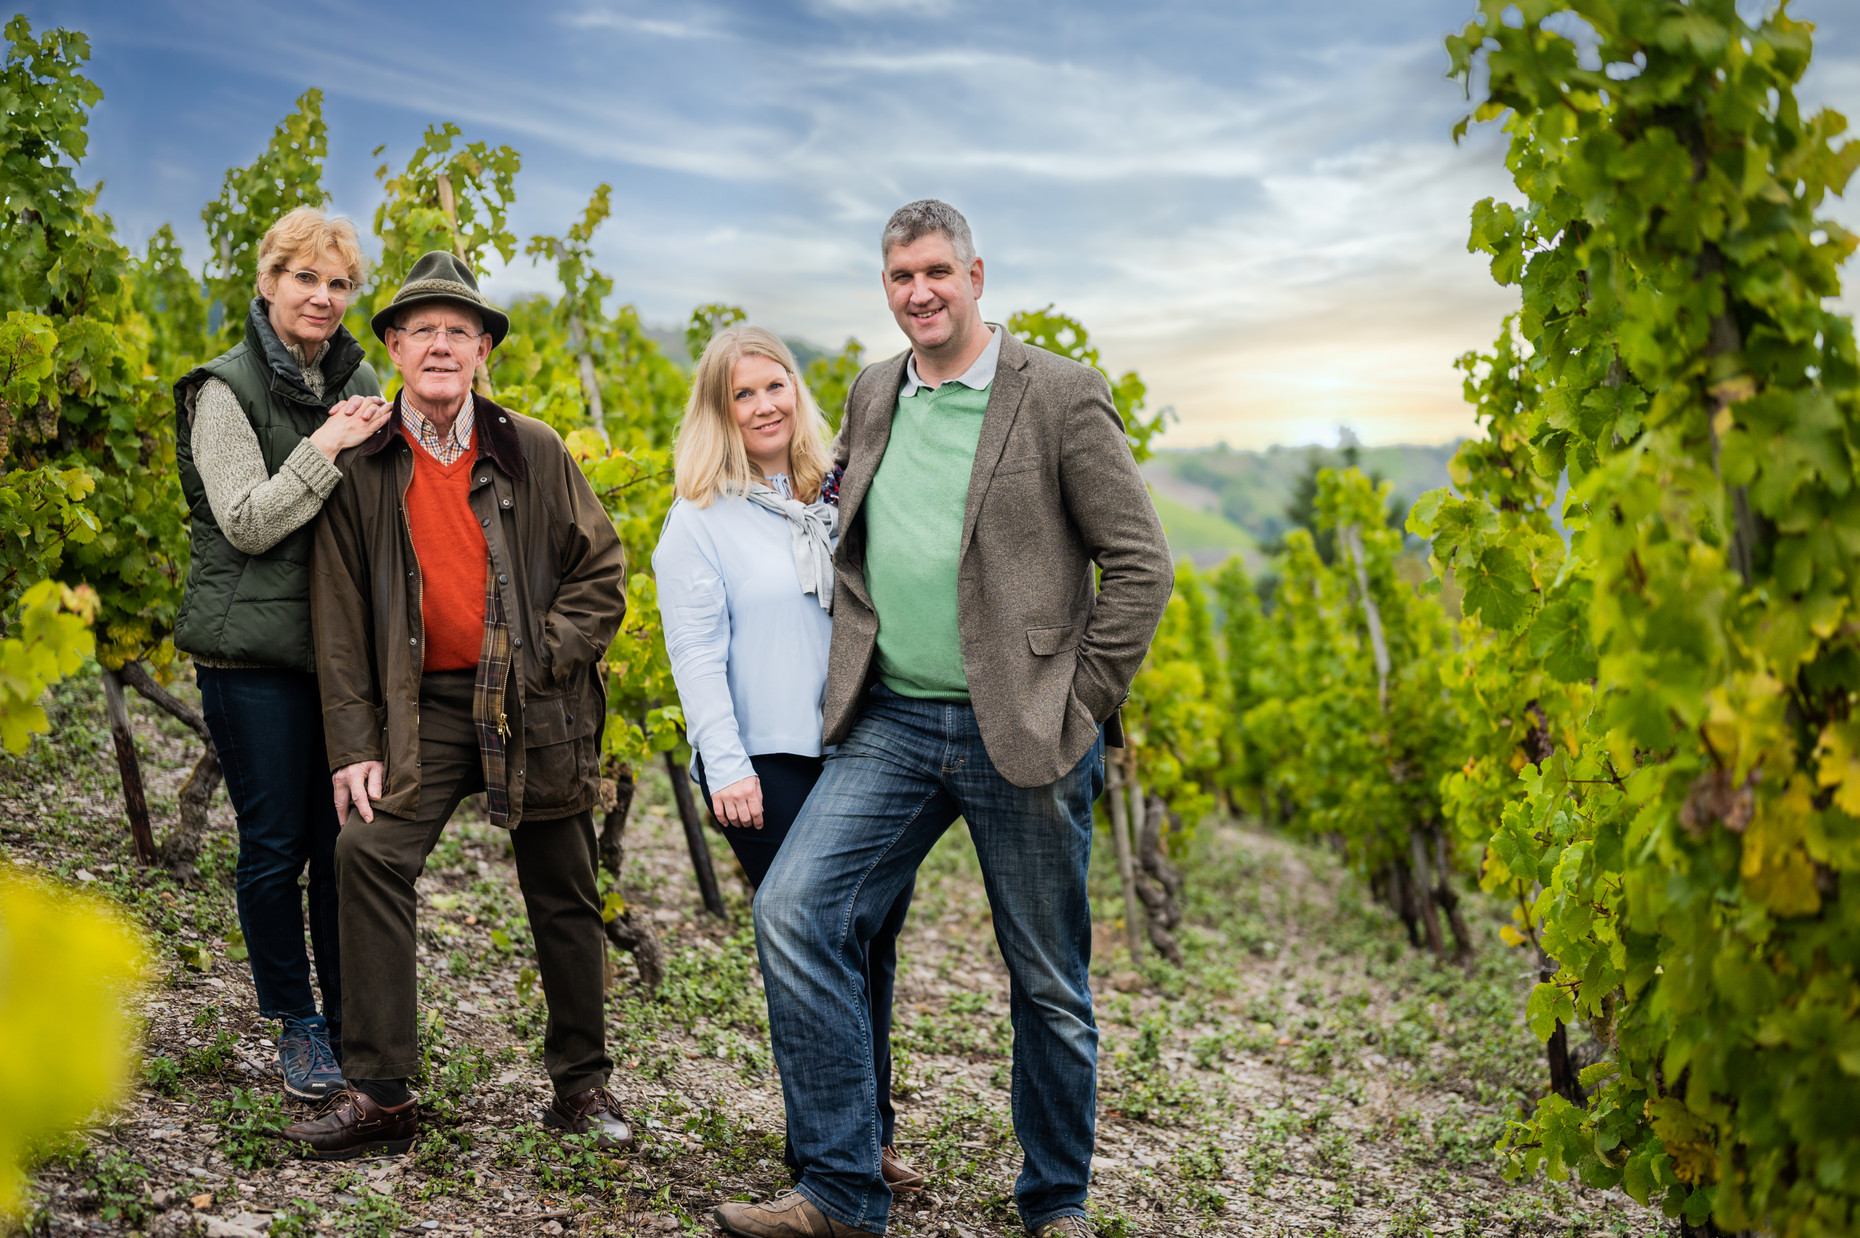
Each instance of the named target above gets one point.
<point>440,276</point>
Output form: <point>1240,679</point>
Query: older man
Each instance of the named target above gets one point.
<point>975,665</point>
<point>466,586</point>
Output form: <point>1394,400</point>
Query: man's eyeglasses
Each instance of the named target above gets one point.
<point>426,335</point>
<point>340,286</point>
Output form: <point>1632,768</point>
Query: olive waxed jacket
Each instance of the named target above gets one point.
<point>562,577</point>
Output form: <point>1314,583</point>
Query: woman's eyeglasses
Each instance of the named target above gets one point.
<point>340,286</point>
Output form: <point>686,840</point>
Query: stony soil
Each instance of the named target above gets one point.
<point>1306,1072</point>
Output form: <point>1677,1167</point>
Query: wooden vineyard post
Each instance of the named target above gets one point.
<point>1352,540</point>
<point>590,381</point>
<point>694,837</point>
<point>1126,863</point>
<point>627,928</point>
<point>134,802</point>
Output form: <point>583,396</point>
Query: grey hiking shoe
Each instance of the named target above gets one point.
<point>306,1060</point>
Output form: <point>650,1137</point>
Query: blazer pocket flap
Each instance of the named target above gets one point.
<point>1048,641</point>
<point>556,720</point>
<point>1019,464</point>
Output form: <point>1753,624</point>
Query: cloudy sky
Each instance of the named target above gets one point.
<point>1255,204</point>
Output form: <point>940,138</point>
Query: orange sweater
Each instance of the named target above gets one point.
<point>449,546</point>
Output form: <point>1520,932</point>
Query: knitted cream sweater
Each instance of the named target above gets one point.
<point>257,509</point>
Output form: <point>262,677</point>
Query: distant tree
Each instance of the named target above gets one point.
<point>1301,509</point>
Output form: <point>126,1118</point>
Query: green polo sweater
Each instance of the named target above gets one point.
<point>913,539</point>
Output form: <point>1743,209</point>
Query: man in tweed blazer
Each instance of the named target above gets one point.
<point>976,663</point>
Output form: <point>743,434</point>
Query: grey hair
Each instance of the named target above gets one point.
<point>920,219</point>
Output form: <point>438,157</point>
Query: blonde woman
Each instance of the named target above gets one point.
<point>260,429</point>
<point>745,576</point>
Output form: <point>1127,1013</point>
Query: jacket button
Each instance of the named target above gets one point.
<point>571,720</point>
<point>502,579</point>
<point>409,575</point>
<point>500,421</point>
<point>482,480</point>
<point>413,640</point>
<point>518,642</point>
<point>506,502</point>
<point>486,521</point>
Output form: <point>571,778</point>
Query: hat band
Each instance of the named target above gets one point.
<point>439,287</point>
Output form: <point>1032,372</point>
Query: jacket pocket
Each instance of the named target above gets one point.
<point>1045,642</point>
<point>558,750</point>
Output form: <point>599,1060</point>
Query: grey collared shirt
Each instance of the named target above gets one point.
<point>977,376</point>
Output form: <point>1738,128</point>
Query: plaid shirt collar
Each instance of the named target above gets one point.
<point>421,430</point>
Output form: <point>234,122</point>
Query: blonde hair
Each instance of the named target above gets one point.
<point>709,458</point>
<point>308,233</point>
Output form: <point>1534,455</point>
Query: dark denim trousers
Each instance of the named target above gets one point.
<point>908,769</point>
<point>268,728</point>
<point>787,780</point>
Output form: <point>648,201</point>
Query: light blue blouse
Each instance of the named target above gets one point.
<point>748,648</point>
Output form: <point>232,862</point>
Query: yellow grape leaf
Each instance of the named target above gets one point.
<point>585,444</point>
<point>1510,936</point>
<point>68,966</point>
<point>1687,1137</point>
<point>1745,718</point>
<point>1838,765</point>
<point>51,637</point>
<point>1776,869</point>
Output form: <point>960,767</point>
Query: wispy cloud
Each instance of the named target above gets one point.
<point>629,21</point>
<point>870,8</point>
<point>1256,206</point>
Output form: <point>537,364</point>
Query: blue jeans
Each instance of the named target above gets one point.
<point>908,769</point>
<point>787,781</point>
<point>268,727</point>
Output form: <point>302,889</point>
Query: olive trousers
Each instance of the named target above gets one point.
<point>376,865</point>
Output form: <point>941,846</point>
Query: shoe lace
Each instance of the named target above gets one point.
<point>339,1098</point>
<point>294,1042</point>
<point>322,1056</point>
<point>602,1099</point>
<point>1067,1227</point>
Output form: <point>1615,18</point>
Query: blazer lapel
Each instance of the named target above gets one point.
<point>870,426</point>
<point>1004,399</point>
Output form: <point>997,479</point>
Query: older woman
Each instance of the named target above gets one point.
<point>745,580</point>
<point>259,430</point>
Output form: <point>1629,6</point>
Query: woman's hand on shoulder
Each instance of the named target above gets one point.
<point>352,421</point>
<point>740,803</point>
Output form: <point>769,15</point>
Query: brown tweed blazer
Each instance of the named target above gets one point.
<point>1054,490</point>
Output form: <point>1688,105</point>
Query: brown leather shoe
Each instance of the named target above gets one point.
<point>899,1176</point>
<point>788,1215</point>
<point>593,1110</point>
<point>353,1125</point>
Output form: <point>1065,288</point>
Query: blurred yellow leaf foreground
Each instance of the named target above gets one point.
<point>68,968</point>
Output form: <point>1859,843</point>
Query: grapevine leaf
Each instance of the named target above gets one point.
<point>1549,1004</point>
<point>1560,637</point>
<point>1498,588</point>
